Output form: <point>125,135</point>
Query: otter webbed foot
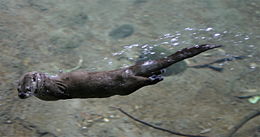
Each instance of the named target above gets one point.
<point>155,79</point>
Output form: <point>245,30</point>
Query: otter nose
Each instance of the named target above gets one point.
<point>22,95</point>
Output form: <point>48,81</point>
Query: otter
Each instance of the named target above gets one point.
<point>83,84</point>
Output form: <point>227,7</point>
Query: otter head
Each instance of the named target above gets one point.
<point>27,85</point>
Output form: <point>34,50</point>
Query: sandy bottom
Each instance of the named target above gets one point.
<point>52,35</point>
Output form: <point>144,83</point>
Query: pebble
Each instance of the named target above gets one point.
<point>111,116</point>
<point>253,65</point>
<point>90,121</point>
<point>8,122</point>
<point>137,107</point>
<point>205,131</point>
<point>58,130</point>
<point>106,119</point>
<point>122,31</point>
<point>84,127</point>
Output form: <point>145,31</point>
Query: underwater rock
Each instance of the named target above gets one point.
<point>122,31</point>
<point>176,68</point>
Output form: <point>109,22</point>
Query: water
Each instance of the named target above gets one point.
<point>53,35</point>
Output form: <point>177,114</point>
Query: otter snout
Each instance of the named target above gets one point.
<point>22,95</point>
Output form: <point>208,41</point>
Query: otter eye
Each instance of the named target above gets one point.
<point>28,89</point>
<point>34,79</point>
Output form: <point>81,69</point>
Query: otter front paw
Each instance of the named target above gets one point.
<point>155,79</point>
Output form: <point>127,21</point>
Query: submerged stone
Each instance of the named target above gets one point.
<point>176,68</point>
<point>122,31</point>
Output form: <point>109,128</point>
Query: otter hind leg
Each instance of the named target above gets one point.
<point>149,80</point>
<point>137,82</point>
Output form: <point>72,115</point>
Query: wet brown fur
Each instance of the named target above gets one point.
<point>82,84</point>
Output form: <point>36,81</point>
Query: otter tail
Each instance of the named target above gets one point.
<point>151,67</point>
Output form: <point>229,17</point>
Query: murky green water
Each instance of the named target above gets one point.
<point>53,35</point>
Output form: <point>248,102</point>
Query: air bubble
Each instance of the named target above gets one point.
<point>188,29</point>
<point>175,44</point>
<point>216,35</point>
<point>209,29</point>
<point>165,43</point>
<point>144,46</point>
<point>167,36</point>
<point>178,34</point>
<point>246,38</point>
<point>174,40</point>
